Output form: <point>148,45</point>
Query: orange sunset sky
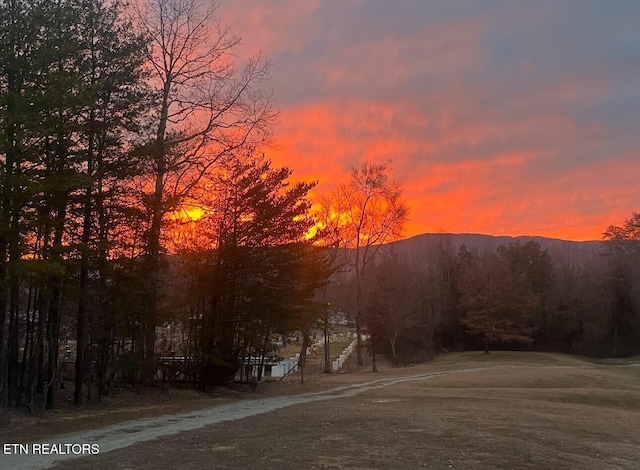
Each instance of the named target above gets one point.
<point>500,117</point>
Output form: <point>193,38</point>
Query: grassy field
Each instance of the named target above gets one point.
<point>473,411</point>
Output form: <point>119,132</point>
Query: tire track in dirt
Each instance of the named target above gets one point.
<point>119,436</point>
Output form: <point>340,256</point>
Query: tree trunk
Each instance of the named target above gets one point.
<point>53,333</point>
<point>154,247</point>
<point>82,330</point>
<point>360,361</point>
<point>393,349</point>
<point>53,320</point>
<point>303,354</point>
<point>327,350</point>
<point>374,363</point>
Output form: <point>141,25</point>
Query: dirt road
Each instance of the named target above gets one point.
<point>127,434</point>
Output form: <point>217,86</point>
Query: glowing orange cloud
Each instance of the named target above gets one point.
<point>485,133</point>
<point>494,194</point>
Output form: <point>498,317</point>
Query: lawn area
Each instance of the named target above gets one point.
<point>505,410</point>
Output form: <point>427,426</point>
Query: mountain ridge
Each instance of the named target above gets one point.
<point>491,242</point>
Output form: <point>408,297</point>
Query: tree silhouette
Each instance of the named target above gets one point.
<point>370,211</point>
<point>498,304</point>
<point>206,110</point>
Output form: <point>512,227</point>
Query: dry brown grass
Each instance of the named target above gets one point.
<point>522,411</point>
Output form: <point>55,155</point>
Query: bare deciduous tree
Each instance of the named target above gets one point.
<point>370,212</point>
<point>207,108</point>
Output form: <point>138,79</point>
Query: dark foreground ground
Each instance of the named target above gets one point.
<point>523,411</point>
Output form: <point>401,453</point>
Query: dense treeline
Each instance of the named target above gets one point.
<point>516,296</point>
<point>113,122</point>
<point>70,89</point>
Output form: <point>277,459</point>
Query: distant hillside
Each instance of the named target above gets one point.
<point>427,241</point>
